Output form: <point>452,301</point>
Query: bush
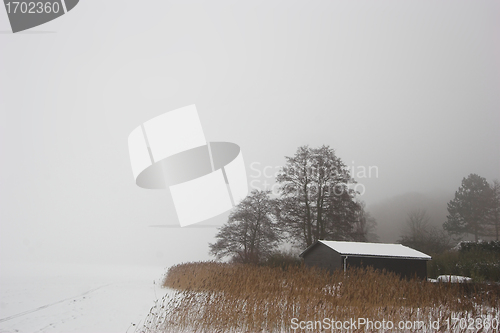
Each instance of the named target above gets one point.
<point>444,264</point>
<point>283,259</point>
<point>490,247</point>
<point>480,261</point>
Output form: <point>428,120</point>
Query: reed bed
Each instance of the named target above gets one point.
<point>221,297</point>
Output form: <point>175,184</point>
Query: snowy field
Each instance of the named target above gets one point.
<point>50,283</point>
<point>52,297</point>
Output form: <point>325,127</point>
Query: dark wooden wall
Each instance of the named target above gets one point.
<point>324,257</point>
<point>407,268</point>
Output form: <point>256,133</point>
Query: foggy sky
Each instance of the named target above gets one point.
<point>412,88</point>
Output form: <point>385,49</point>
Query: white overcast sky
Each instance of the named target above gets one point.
<point>411,87</point>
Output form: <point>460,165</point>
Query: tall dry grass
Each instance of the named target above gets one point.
<point>219,297</point>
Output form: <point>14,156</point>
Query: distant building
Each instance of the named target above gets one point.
<point>397,258</point>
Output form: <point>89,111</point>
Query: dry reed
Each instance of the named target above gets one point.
<point>220,297</point>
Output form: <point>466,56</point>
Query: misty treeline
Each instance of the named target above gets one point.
<point>419,234</point>
<point>316,201</point>
<point>474,211</point>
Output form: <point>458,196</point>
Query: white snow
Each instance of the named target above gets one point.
<point>375,249</point>
<point>55,297</point>
<point>453,279</point>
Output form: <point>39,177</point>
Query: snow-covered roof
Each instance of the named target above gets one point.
<point>361,249</point>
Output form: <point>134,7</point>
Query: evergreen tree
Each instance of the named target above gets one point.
<point>470,210</point>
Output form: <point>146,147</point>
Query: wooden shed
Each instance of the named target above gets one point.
<point>332,255</point>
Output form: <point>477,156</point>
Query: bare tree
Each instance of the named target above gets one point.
<point>420,235</point>
<point>364,227</point>
<point>417,225</point>
<point>250,235</point>
<point>315,199</point>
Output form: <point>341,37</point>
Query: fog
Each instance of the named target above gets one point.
<point>411,89</point>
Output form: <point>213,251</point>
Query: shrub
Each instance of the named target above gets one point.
<point>489,247</point>
<point>480,261</point>
<point>283,259</point>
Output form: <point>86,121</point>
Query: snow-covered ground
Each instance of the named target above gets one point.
<point>57,297</point>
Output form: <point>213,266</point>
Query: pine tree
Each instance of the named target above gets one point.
<point>470,210</point>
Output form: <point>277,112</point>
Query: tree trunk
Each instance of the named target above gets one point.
<point>309,240</point>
